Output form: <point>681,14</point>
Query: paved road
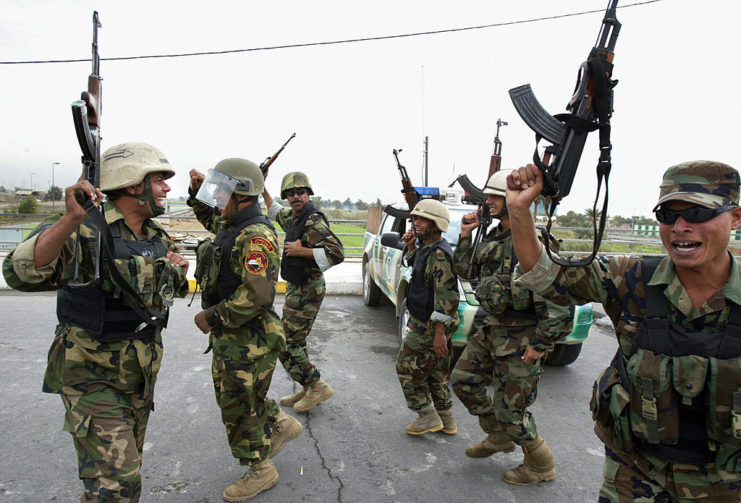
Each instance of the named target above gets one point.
<point>353,448</point>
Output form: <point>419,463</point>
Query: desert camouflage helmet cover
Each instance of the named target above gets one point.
<point>434,210</point>
<point>127,164</point>
<point>705,183</point>
<point>232,176</point>
<point>294,180</point>
<point>497,184</point>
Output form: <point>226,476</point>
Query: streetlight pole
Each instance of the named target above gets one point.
<point>32,182</point>
<point>53,187</point>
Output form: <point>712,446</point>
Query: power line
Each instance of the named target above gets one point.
<point>331,42</point>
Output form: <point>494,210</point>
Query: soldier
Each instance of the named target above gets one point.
<point>107,348</point>
<point>241,267</point>
<point>668,407</point>
<point>310,248</point>
<point>506,351</point>
<point>423,364</point>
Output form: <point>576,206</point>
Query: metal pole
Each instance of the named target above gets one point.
<point>52,186</point>
<point>426,156</point>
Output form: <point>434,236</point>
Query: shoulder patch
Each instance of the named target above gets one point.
<point>261,242</point>
<point>256,262</point>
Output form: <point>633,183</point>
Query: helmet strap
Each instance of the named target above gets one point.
<point>148,197</point>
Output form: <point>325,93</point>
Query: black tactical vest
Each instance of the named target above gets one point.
<point>105,318</point>
<point>421,297</point>
<point>297,270</point>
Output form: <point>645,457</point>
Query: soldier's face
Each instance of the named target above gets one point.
<point>159,189</point>
<point>495,204</point>
<point>424,228</point>
<point>297,198</point>
<point>697,245</point>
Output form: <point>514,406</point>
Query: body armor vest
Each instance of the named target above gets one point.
<point>297,270</point>
<point>421,298</point>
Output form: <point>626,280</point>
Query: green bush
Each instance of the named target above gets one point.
<point>28,205</point>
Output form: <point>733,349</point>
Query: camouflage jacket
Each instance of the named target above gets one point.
<point>247,318</point>
<point>77,363</point>
<point>509,304</point>
<point>327,249</point>
<point>445,291</point>
<point>617,283</point>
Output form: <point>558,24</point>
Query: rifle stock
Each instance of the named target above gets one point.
<point>270,160</point>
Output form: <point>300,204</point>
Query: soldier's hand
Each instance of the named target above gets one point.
<point>293,248</point>
<point>178,260</point>
<point>526,185</point>
<point>196,180</point>
<point>531,355</point>
<point>441,342</point>
<point>201,322</point>
<point>410,239</point>
<point>73,208</point>
<point>468,223</point>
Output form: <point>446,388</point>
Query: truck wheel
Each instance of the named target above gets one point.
<point>563,354</point>
<point>371,292</point>
<point>403,320</point>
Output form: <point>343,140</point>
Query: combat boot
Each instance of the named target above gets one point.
<point>449,426</point>
<point>496,440</point>
<point>536,467</point>
<point>290,400</point>
<point>315,394</point>
<point>427,422</point>
<point>284,429</point>
<point>259,478</point>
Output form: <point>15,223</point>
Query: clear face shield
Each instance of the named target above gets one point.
<point>216,189</point>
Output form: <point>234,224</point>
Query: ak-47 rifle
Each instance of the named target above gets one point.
<point>86,113</point>
<point>477,196</point>
<point>589,109</point>
<point>410,193</point>
<point>270,160</point>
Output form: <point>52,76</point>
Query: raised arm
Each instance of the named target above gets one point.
<point>527,183</point>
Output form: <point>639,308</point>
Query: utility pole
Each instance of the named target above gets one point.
<point>426,157</point>
<point>53,187</point>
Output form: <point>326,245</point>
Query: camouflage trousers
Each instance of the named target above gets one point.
<point>628,480</point>
<point>241,386</point>
<point>515,383</point>
<point>108,429</point>
<point>299,312</point>
<point>423,376</point>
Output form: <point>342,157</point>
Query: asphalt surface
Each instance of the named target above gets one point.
<point>353,448</point>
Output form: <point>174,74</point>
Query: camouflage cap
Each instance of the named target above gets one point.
<point>706,183</point>
<point>294,180</point>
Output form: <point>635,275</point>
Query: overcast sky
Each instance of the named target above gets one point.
<point>350,105</point>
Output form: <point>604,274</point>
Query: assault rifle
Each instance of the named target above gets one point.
<point>270,160</point>
<point>477,196</point>
<point>589,109</point>
<point>410,193</point>
<point>86,114</point>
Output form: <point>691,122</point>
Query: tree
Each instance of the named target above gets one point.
<point>319,203</point>
<point>54,194</point>
<point>361,205</point>
<point>347,204</point>
<point>28,205</point>
<point>2,188</point>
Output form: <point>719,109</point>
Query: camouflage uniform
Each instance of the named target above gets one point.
<point>424,376</point>
<point>633,470</point>
<point>302,302</point>
<point>516,318</point>
<point>246,337</point>
<point>107,387</point>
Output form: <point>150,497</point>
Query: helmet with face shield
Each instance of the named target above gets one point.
<point>228,177</point>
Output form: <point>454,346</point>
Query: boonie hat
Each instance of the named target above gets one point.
<point>705,183</point>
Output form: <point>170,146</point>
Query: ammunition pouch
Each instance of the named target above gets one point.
<point>208,260</point>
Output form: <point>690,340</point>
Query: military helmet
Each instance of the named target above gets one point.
<point>128,164</point>
<point>434,210</point>
<point>294,180</point>
<point>250,180</point>
<point>497,184</point>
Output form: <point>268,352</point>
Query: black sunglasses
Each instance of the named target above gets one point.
<point>694,214</point>
<point>291,192</point>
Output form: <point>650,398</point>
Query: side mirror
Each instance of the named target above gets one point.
<point>393,240</point>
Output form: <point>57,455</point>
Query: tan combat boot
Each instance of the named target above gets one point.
<point>427,422</point>
<point>448,420</point>
<point>496,440</point>
<point>290,400</point>
<point>315,394</point>
<point>536,467</point>
<point>259,478</point>
<point>285,428</point>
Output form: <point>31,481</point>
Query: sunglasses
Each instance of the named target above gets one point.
<point>291,192</point>
<point>694,214</point>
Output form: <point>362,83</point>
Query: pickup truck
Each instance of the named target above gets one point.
<point>384,276</point>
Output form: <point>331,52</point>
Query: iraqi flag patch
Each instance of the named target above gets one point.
<point>256,262</point>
